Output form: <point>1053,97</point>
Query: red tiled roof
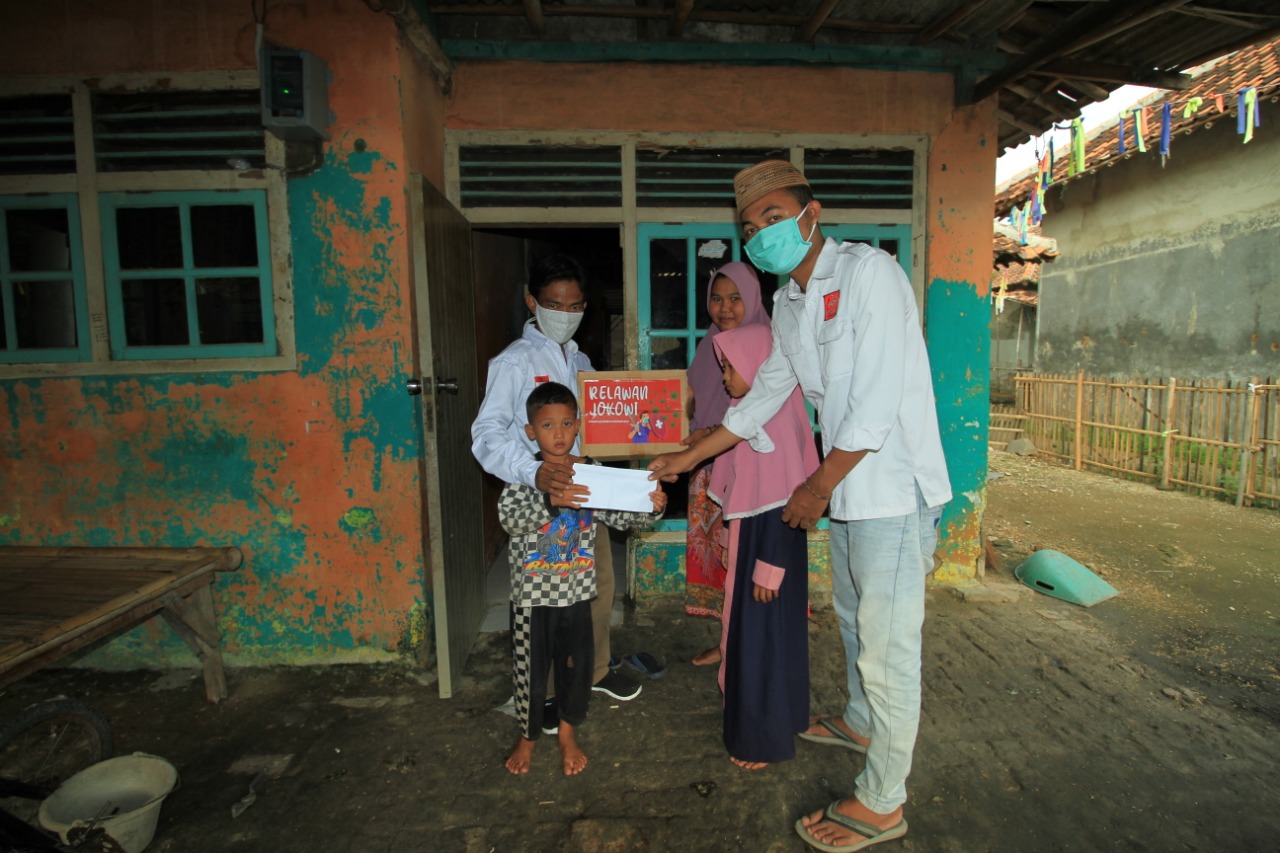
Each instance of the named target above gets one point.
<point>1017,264</point>
<point>1008,245</point>
<point>1018,274</point>
<point>1257,66</point>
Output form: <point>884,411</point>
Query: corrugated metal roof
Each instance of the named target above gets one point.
<point>1059,56</point>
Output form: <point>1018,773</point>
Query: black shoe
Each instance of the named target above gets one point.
<point>617,685</point>
<point>550,718</point>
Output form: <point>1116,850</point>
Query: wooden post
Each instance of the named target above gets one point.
<point>1017,342</point>
<point>196,624</point>
<point>1170,410</point>
<point>1079,454</point>
<point>1250,443</point>
<point>1218,431</point>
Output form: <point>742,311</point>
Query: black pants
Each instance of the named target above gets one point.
<point>555,640</point>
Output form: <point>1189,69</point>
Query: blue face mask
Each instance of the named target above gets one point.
<point>779,249</point>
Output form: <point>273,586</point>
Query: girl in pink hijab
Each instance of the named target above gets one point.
<point>764,642</point>
<point>733,301</point>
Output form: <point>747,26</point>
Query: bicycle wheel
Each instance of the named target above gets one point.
<point>48,743</point>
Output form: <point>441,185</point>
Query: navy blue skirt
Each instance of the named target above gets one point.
<point>766,646</point>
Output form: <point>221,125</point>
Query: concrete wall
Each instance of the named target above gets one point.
<point>313,472</point>
<point>1013,340</point>
<point>723,99</point>
<point>1168,271</point>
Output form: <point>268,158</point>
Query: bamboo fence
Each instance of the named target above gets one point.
<point>1209,437</point>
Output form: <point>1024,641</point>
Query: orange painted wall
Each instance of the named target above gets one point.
<point>422,116</point>
<point>961,177</point>
<point>696,99</point>
<point>313,472</point>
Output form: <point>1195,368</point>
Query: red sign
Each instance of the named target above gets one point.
<point>632,412</point>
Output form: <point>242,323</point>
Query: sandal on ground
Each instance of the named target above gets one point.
<point>838,736</point>
<point>870,834</point>
<point>645,664</point>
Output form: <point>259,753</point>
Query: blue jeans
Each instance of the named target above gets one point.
<point>878,571</point>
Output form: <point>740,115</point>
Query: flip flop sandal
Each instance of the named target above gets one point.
<point>838,737</point>
<point>645,664</point>
<point>870,834</point>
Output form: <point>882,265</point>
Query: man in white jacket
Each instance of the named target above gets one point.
<point>846,331</point>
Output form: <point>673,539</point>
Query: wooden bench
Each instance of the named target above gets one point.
<point>56,601</point>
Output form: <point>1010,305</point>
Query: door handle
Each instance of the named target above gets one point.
<point>416,386</point>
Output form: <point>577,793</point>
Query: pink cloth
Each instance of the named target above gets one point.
<point>746,481</point>
<point>730,560</point>
<point>768,575</point>
<point>710,401</point>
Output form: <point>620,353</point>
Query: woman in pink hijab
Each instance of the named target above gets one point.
<point>733,300</point>
<point>764,641</point>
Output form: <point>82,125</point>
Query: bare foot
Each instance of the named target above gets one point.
<point>708,657</point>
<point>521,757</point>
<point>817,827</point>
<point>817,728</point>
<point>575,760</point>
<point>749,765</point>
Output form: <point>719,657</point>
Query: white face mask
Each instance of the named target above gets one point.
<point>559,326</point>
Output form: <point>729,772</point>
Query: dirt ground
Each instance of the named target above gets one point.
<point>1145,723</point>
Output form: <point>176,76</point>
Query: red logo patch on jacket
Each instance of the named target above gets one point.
<point>830,305</point>
<point>538,380</point>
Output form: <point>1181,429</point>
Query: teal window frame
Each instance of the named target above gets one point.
<point>188,272</point>
<point>83,350</point>
<point>875,235</point>
<point>693,233</point>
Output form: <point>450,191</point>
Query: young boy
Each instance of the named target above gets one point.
<point>553,579</point>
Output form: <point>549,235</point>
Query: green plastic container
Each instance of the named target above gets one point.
<point>1054,573</point>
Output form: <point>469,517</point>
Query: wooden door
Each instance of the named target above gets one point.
<point>451,479</point>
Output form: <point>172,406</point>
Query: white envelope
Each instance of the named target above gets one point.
<point>615,488</point>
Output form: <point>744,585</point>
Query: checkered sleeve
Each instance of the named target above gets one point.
<point>619,520</point>
<point>522,510</point>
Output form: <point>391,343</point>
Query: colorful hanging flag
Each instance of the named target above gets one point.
<point>1120,136</point>
<point>1166,130</point>
<point>1247,112</point>
<point>1076,164</point>
<point>1140,128</point>
<point>1192,105</point>
<point>1049,174</point>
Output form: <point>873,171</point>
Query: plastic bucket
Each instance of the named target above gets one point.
<point>121,796</point>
